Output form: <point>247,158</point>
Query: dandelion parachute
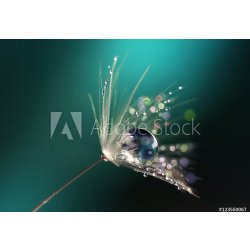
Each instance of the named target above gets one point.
<point>124,142</point>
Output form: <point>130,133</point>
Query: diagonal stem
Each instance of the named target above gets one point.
<point>40,205</point>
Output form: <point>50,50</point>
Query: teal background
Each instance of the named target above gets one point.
<point>41,76</point>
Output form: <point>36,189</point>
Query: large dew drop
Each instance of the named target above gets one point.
<point>139,147</point>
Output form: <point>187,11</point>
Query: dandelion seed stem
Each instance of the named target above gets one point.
<point>40,205</point>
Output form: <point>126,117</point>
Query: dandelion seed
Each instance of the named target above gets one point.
<point>135,148</point>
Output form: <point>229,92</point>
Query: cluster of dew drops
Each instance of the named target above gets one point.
<point>161,106</point>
